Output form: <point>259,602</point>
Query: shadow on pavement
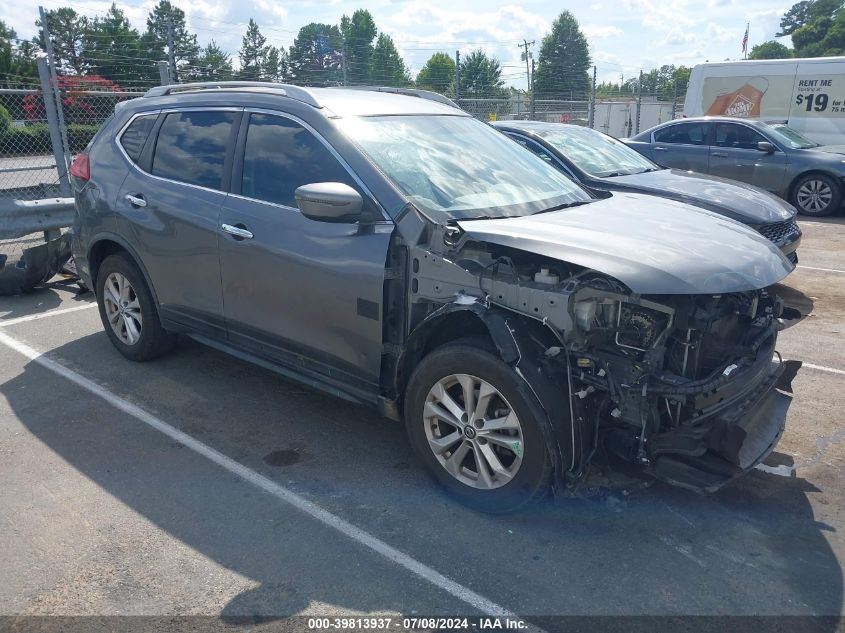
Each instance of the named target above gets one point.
<point>43,298</point>
<point>754,548</point>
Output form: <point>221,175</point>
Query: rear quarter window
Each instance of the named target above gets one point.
<point>135,136</point>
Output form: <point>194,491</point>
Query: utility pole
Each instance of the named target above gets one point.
<point>163,72</point>
<point>171,54</point>
<point>639,101</point>
<point>57,95</point>
<point>592,115</point>
<point>531,87</point>
<point>674,96</point>
<point>457,75</point>
<point>526,55</point>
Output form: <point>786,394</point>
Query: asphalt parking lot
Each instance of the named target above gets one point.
<point>201,485</point>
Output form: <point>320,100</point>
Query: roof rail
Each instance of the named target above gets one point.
<point>411,92</point>
<point>294,92</point>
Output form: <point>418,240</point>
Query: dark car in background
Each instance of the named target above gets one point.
<point>601,162</point>
<point>394,251</point>
<point>773,157</point>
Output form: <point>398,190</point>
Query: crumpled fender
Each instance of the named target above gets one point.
<point>521,342</point>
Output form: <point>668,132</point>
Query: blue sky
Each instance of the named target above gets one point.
<point>624,35</point>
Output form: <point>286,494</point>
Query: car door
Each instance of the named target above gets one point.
<point>300,291</point>
<point>734,154</point>
<point>682,146</point>
<point>171,203</point>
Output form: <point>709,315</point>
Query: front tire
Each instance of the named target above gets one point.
<point>816,195</point>
<point>128,310</point>
<point>477,428</point>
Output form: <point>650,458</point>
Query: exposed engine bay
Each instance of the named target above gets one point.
<point>681,384</point>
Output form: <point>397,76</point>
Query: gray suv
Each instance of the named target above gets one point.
<point>389,249</point>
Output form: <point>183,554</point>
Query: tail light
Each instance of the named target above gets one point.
<point>81,167</point>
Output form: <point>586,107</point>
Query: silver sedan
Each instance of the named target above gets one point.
<point>773,157</point>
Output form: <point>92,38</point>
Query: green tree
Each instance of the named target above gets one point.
<point>17,58</point>
<point>564,60</point>
<point>817,28</point>
<point>275,65</point>
<point>253,53</point>
<point>358,33</point>
<point>114,50</point>
<point>67,29</point>
<point>481,76</point>
<point>388,67</point>
<point>213,64</point>
<point>795,18</point>
<point>315,56</point>
<point>185,46</point>
<point>770,50</point>
<point>438,74</point>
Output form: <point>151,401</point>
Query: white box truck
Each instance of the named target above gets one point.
<point>807,94</point>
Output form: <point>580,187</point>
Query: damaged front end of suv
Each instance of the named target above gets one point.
<point>646,331</point>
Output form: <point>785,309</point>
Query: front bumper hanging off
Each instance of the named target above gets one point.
<point>743,431</point>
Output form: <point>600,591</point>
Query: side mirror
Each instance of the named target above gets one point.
<point>765,146</point>
<point>329,202</point>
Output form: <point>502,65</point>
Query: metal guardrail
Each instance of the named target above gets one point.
<point>23,217</point>
<point>27,258</point>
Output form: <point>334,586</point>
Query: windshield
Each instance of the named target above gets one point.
<point>597,154</point>
<point>789,137</point>
<point>455,167</point>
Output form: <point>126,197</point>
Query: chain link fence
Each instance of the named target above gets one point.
<point>27,166</point>
<point>617,117</point>
<point>31,168</point>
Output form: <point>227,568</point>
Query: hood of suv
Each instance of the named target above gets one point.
<point>652,245</point>
<point>829,149</point>
<point>736,200</point>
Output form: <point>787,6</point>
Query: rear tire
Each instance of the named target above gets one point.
<point>491,454</point>
<point>816,195</point>
<point>128,310</point>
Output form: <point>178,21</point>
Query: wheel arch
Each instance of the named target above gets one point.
<point>108,244</point>
<point>790,191</point>
<point>519,341</point>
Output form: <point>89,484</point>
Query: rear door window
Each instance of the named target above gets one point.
<point>683,134</point>
<point>191,147</point>
<point>733,135</point>
<point>135,136</point>
<point>281,155</point>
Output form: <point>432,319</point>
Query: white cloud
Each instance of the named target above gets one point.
<point>678,36</point>
<point>273,8</point>
<point>595,31</point>
<point>723,34</point>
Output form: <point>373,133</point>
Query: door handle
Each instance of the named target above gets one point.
<point>719,155</point>
<point>136,201</point>
<point>659,149</point>
<point>239,232</point>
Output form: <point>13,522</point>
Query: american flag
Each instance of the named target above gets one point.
<point>745,39</point>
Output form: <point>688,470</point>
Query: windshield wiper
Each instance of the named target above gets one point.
<point>565,205</point>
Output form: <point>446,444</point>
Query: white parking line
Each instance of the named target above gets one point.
<point>830,370</point>
<point>826,270</point>
<point>484,605</point>
<point>44,315</point>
